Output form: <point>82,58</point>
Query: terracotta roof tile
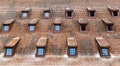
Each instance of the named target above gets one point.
<point>9,21</point>
<point>82,21</point>
<point>90,9</point>
<point>33,21</point>
<point>13,42</point>
<point>102,42</point>
<point>42,42</point>
<point>107,20</point>
<point>58,21</point>
<point>72,42</point>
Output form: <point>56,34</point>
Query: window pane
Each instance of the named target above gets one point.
<point>47,14</point>
<point>115,13</point>
<point>83,27</point>
<point>72,51</point>
<point>57,27</point>
<point>92,14</point>
<point>25,15</point>
<point>9,51</point>
<point>69,14</point>
<point>40,51</point>
<point>110,27</point>
<point>105,52</point>
<point>6,28</point>
<point>32,28</point>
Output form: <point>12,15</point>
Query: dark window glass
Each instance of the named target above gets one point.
<point>83,27</point>
<point>69,14</point>
<point>110,27</point>
<point>92,13</point>
<point>115,13</point>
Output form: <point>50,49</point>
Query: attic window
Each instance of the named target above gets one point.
<point>72,51</point>
<point>25,13</point>
<point>11,46</point>
<point>41,46</point>
<point>6,28</point>
<point>57,25</point>
<point>103,47</point>
<point>40,51</point>
<point>83,24</point>
<point>105,51</point>
<point>69,13</point>
<point>108,24</point>
<point>91,11</point>
<point>32,24</point>
<point>72,47</point>
<point>7,25</point>
<point>83,27</point>
<point>9,51</point>
<point>47,13</point>
<point>114,11</point>
<point>32,27</point>
<point>109,27</point>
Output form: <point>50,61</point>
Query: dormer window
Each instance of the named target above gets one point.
<point>47,13</point>
<point>69,13</point>
<point>109,25</point>
<point>103,47</point>
<point>9,51</point>
<point>7,25</point>
<point>32,24</point>
<point>91,12</point>
<point>11,46</point>
<point>25,13</point>
<point>83,24</point>
<point>72,47</point>
<point>41,46</point>
<point>113,11</point>
<point>57,25</point>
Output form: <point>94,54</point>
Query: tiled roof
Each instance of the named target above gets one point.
<point>12,42</point>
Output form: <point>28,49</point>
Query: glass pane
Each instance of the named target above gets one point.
<point>72,51</point>
<point>32,28</point>
<point>6,28</point>
<point>57,27</point>
<point>47,14</point>
<point>9,51</point>
<point>25,15</point>
<point>40,51</point>
<point>104,51</point>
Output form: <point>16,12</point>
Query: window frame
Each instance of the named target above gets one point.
<point>8,28</point>
<point>70,53</point>
<point>37,54</point>
<point>111,27</point>
<point>113,13</point>
<point>55,27</point>
<point>66,14</point>
<point>32,25</point>
<point>48,11</point>
<point>101,52</point>
<point>90,13</point>
<point>85,26</point>
<point>12,52</point>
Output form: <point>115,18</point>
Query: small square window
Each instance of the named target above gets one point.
<point>92,13</point>
<point>115,13</point>
<point>110,27</point>
<point>105,52</point>
<point>6,28</point>
<point>83,27</point>
<point>72,51</point>
<point>40,51</point>
<point>24,15</point>
<point>31,27</point>
<point>57,27</point>
<point>47,14</point>
<point>9,51</point>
